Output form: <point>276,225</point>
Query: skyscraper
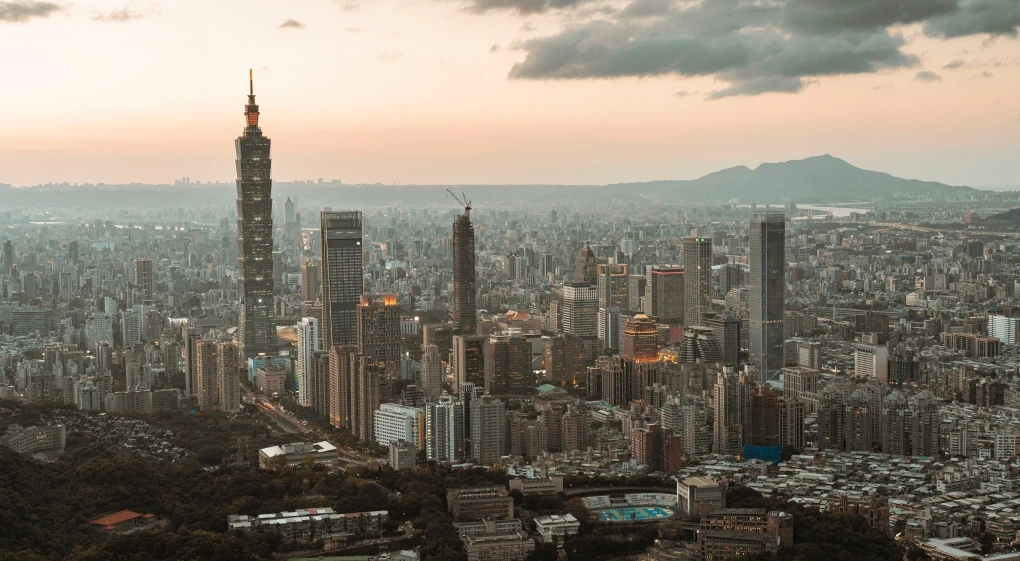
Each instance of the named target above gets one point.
<point>640,339</point>
<point>488,430</point>
<point>311,280</point>
<point>342,275</point>
<point>432,372</point>
<point>612,283</point>
<point>307,345</point>
<point>379,332</point>
<point>697,279</point>
<point>580,309</point>
<point>144,279</point>
<point>444,430</point>
<point>257,322</point>
<point>767,293</point>
<point>586,266</point>
<point>664,294</point>
<point>464,274</point>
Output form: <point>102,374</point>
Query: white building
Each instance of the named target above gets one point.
<point>556,526</point>
<point>1003,327</point>
<point>307,344</point>
<point>98,328</point>
<point>131,327</point>
<point>580,309</point>
<point>295,454</point>
<point>395,422</point>
<point>871,361</point>
<point>444,430</point>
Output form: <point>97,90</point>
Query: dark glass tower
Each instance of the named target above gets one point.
<point>257,324</point>
<point>464,273</point>
<point>343,276</point>
<point>767,295</point>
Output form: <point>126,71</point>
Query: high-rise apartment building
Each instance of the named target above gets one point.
<point>727,333</point>
<point>730,403</point>
<point>664,294</point>
<point>343,278</point>
<point>343,363</point>
<point>697,279</point>
<point>256,330</point>
<point>871,361</point>
<point>444,430</point>
<point>433,373</point>
<point>467,360</point>
<point>378,318</point>
<point>228,384</point>
<point>144,279</point>
<point>1004,328</point>
<point>311,280</point>
<point>767,295</point>
<point>488,430</point>
<point>464,320</point>
<point>307,345</point>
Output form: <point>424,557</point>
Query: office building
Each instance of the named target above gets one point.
<point>311,280</point>
<point>395,422</point>
<point>586,266</point>
<point>516,546</point>
<point>691,492</point>
<point>871,361</point>
<point>664,294</point>
<point>342,274</point>
<point>580,309</point>
<point>476,503</point>
<point>256,330</point>
<point>1003,328</point>
<point>728,333</point>
<point>433,372</point>
<point>635,292</point>
<point>307,345</point>
<point>508,364</point>
<point>640,339</point>
<point>296,454</point>
<point>612,285</point>
<point>402,455</point>
<point>378,318</point>
<point>467,360</point>
<point>464,315</point>
<point>767,295</point>
<point>697,259</point>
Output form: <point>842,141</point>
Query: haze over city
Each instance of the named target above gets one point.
<point>510,91</point>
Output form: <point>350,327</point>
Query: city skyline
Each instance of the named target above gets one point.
<point>463,100</point>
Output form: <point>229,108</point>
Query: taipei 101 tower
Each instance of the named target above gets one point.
<point>257,324</point>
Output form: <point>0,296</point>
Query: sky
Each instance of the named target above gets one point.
<point>508,91</point>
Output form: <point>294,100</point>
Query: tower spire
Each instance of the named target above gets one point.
<point>251,83</point>
<point>251,111</point>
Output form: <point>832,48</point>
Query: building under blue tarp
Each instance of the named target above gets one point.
<point>771,454</point>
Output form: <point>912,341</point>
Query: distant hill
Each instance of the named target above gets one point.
<point>819,179</point>
<point>1011,216</point>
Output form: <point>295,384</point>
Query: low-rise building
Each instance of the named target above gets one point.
<point>476,503</point>
<point>556,526</point>
<point>313,524</point>
<point>123,522</point>
<point>538,485</point>
<point>499,547</point>
<point>296,453</point>
<point>487,526</point>
<point>691,491</point>
<point>402,455</point>
<point>29,440</point>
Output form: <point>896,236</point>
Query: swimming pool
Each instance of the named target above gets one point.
<point>634,514</point>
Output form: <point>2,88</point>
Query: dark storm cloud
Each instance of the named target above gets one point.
<point>16,12</point>
<point>977,17</point>
<point>292,24</point>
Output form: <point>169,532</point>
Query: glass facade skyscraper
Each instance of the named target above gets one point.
<point>257,322</point>
<point>343,279</point>
<point>767,295</point>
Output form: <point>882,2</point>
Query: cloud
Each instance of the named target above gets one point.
<point>292,24</point>
<point>352,6</point>
<point>985,74</point>
<point>977,17</point>
<point>494,48</point>
<point>524,6</point>
<point>18,12</point>
<point>751,47</point>
<point>692,43</point>
<point>955,65</point>
<point>118,16</point>
<point>927,76</point>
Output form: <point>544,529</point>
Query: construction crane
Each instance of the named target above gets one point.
<point>462,199</point>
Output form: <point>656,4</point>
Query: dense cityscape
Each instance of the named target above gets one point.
<point>578,379</point>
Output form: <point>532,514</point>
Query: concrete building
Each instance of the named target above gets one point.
<point>378,318</point>
<point>476,503</point>
<point>488,430</point>
<point>297,453</point>
<point>692,492</point>
<point>394,422</point>
<point>556,527</point>
<point>402,454</point>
